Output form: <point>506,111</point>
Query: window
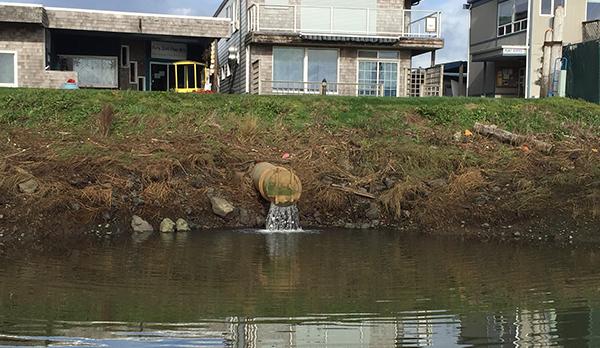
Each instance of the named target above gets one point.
<point>133,72</point>
<point>124,56</point>
<point>8,69</point>
<point>304,69</point>
<point>141,83</point>
<point>93,71</point>
<point>378,73</point>
<point>593,10</point>
<point>231,14</point>
<point>322,65</point>
<point>548,7</point>
<point>512,16</point>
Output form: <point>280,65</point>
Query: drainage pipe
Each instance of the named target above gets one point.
<point>277,185</point>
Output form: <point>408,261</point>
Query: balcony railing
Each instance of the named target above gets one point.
<point>331,88</point>
<point>349,21</point>
<point>591,30</point>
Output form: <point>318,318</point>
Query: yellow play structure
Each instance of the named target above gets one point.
<point>191,77</point>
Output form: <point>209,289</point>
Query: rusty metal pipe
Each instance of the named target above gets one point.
<point>277,185</point>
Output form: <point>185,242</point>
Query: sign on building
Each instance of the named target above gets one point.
<point>169,50</point>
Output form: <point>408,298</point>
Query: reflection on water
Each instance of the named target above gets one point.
<point>319,289</point>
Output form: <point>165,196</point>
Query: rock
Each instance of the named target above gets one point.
<point>167,226</point>
<point>350,226</point>
<point>245,218</point>
<point>365,226</point>
<point>437,183</point>
<point>29,186</point>
<point>458,137</point>
<point>182,226</point>
<point>261,221</point>
<point>373,212</point>
<point>221,207</point>
<point>140,225</point>
<point>389,183</point>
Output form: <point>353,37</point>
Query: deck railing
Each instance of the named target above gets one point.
<point>591,30</point>
<point>331,88</point>
<point>349,21</point>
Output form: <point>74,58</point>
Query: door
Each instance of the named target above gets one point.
<point>159,77</point>
<point>375,74</point>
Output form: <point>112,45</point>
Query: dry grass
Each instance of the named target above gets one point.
<point>98,195</point>
<point>105,119</point>
<point>395,199</point>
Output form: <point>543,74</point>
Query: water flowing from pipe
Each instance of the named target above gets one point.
<point>285,218</point>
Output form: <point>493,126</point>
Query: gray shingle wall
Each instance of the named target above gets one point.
<point>131,23</point>
<point>28,41</point>
<point>22,14</point>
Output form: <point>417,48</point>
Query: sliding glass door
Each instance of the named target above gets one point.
<point>378,78</point>
<point>303,70</point>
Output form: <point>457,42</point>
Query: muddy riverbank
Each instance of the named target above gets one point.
<point>68,171</point>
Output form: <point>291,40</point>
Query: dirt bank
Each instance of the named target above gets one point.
<point>364,162</point>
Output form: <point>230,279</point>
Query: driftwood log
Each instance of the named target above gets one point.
<point>513,139</point>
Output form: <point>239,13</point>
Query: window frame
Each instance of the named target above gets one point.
<point>121,57</point>
<point>553,8</point>
<point>513,23</point>
<point>305,63</point>
<point>587,11</point>
<point>378,61</point>
<point>15,82</point>
<point>133,64</point>
<point>141,82</point>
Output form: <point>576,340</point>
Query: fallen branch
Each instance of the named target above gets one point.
<point>511,138</point>
<point>356,192</point>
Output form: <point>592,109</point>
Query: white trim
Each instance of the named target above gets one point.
<point>553,9</point>
<point>168,73</point>
<point>141,86</point>
<point>305,62</point>
<point>378,60</point>
<point>135,71</point>
<point>247,69</point>
<point>128,50</point>
<point>16,69</point>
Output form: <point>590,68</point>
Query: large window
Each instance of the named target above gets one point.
<point>304,69</point>
<point>512,16</point>
<point>593,10</point>
<point>548,7</point>
<point>8,69</point>
<point>378,73</point>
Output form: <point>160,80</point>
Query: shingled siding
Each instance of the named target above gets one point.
<point>236,83</point>
<point>28,41</point>
<point>105,21</point>
<point>23,14</point>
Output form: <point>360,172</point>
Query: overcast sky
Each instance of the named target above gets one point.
<point>454,19</point>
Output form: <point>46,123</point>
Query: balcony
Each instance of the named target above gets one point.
<point>344,21</point>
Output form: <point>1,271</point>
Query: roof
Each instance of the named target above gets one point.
<point>114,21</point>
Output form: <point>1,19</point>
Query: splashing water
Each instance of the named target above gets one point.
<point>283,218</point>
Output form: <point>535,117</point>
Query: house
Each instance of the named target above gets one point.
<point>515,46</point>
<point>342,47</point>
<point>46,46</point>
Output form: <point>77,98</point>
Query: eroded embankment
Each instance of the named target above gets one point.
<point>363,163</point>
